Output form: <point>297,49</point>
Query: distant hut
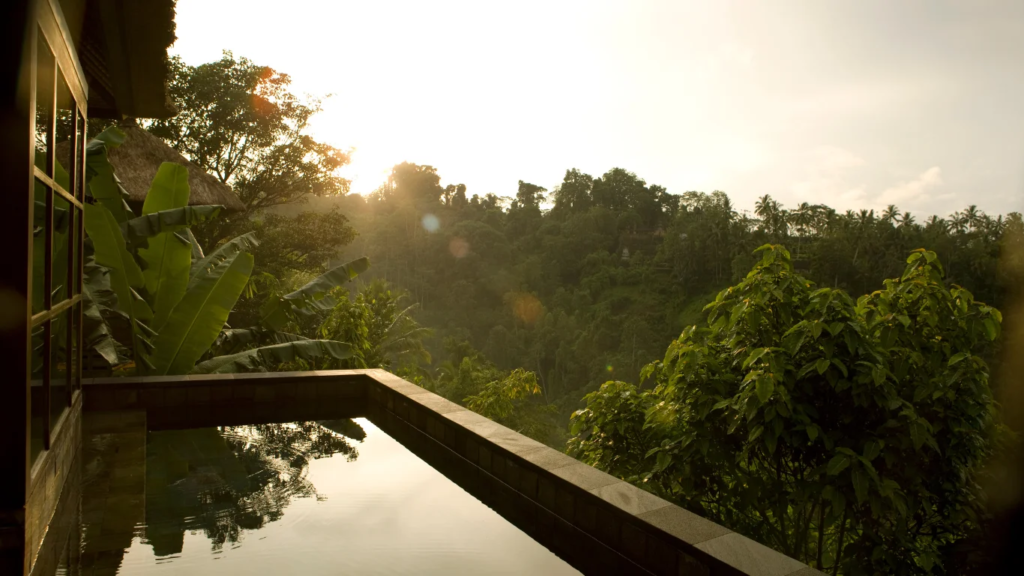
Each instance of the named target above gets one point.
<point>137,160</point>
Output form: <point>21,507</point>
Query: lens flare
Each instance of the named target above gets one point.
<point>458,247</point>
<point>431,223</point>
<point>525,307</point>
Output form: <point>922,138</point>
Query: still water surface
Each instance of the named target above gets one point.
<point>328,497</point>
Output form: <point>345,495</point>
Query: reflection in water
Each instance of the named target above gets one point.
<point>223,481</point>
<point>213,501</point>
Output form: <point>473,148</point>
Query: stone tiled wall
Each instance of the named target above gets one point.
<point>595,521</point>
<point>226,399</point>
<point>571,506</point>
<point>49,479</point>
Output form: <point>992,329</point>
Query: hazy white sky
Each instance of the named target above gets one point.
<point>856,103</point>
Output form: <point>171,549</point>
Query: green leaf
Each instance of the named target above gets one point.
<point>275,312</point>
<point>200,316</point>
<point>917,435</point>
<point>812,432</point>
<point>171,220</point>
<point>816,329</point>
<point>991,328</point>
<point>860,484</point>
<point>98,297</point>
<point>167,258</point>
<point>125,274</point>
<point>757,353</point>
<point>168,190</point>
<point>871,450</point>
<point>270,356</point>
<point>822,364</point>
<point>957,358</point>
<point>878,374</point>
<point>232,339</point>
<point>316,289</point>
<point>197,250</point>
<point>842,367</point>
<point>204,267</point>
<point>755,433</point>
<point>103,184</point>
<point>765,388</point>
<point>838,464</point>
<point>663,461</point>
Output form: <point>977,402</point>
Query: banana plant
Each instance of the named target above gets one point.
<point>312,299</point>
<point>175,298</point>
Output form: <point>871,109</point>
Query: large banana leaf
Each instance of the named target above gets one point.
<point>233,339</point>
<point>174,220</point>
<point>125,274</point>
<point>312,297</point>
<point>98,298</point>
<point>103,184</point>
<point>168,257</point>
<point>197,250</point>
<point>267,356</point>
<point>315,291</point>
<point>207,265</point>
<point>199,317</point>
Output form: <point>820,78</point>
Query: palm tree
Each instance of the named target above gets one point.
<point>935,222</point>
<point>958,222</point>
<point>973,216</point>
<point>891,214</point>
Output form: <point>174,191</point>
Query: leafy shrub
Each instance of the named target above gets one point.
<point>846,434</point>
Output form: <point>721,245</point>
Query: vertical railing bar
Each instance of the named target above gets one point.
<point>71,281</point>
<point>47,373</point>
<point>80,276</point>
<point>33,94</point>
<point>51,122</point>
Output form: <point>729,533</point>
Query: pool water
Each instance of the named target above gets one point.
<point>324,497</point>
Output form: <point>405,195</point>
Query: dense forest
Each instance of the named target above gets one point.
<point>814,378</point>
<point>590,281</point>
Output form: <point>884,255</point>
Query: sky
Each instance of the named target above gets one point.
<point>850,103</point>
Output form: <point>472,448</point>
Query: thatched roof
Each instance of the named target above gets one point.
<point>136,161</point>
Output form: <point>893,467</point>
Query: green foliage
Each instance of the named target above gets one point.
<point>199,316</point>
<point>271,356</point>
<point>242,123</point>
<point>378,325</point>
<point>592,287</point>
<point>847,434</point>
<point>124,273</point>
<point>307,241</point>
<point>315,297</point>
<point>510,401</point>
<point>177,308</point>
<point>167,256</point>
<point>513,398</point>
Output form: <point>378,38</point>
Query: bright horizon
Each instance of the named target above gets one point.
<point>853,104</point>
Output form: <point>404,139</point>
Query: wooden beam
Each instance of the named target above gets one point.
<point>55,29</point>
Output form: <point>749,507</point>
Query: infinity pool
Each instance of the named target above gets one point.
<point>317,497</point>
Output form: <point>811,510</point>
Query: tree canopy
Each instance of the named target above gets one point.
<point>242,123</point>
<point>844,433</point>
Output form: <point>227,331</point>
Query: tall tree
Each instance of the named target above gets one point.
<point>241,122</point>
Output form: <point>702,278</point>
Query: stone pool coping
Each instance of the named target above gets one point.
<point>655,535</point>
